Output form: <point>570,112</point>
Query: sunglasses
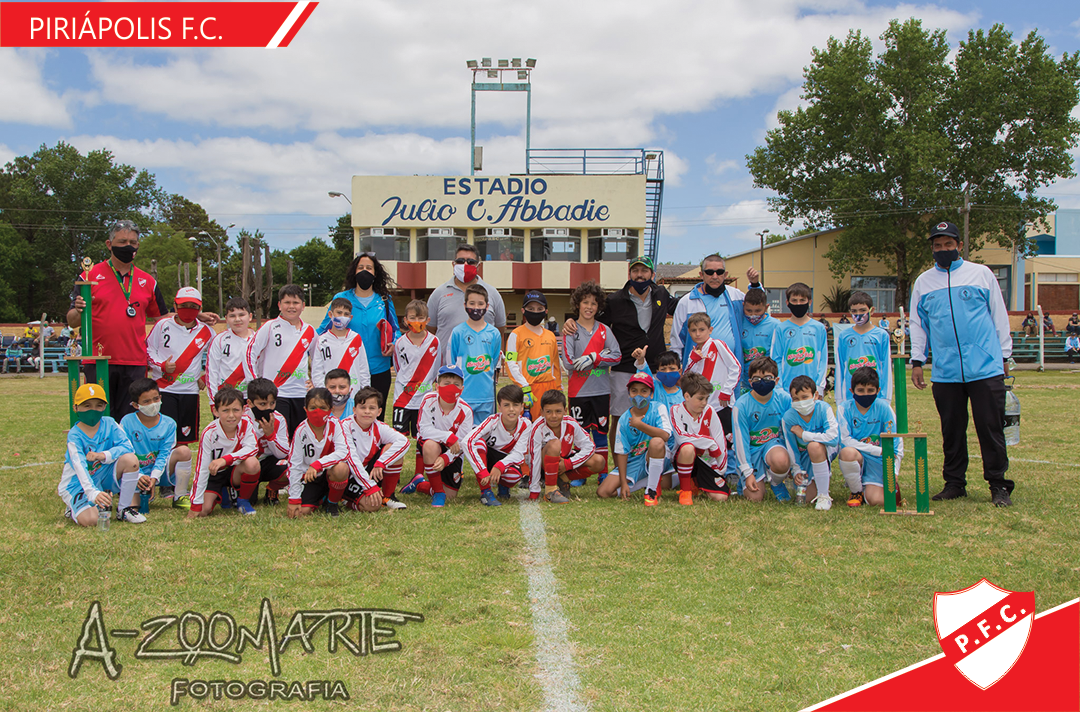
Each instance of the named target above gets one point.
<point>465,261</point>
<point>713,272</point>
<point>758,379</point>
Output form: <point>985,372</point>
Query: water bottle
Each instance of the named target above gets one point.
<point>1012,417</point>
<point>800,491</point>
<point>144,502</point>
<point>104,514</point>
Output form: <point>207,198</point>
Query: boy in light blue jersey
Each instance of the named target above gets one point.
<point>98,463</point>
<point>666,377</point>
<point>813,438</point>
<point>800,345</point>
<point>153,439</point>
<point>757,331</point>
<point>476,346</point>
<point>756,420</point>
<point>642,440</point>
<point>862,421</point>
<point>861,345</point>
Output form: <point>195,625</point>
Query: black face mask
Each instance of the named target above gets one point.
<point>261,414</point>
<point>715,291</point>
<point>365,279</point>
<point>798,310</point>
<point>944,258</point>
<point>641,285</point>
<point>124,253</point>
<point>535,318</point>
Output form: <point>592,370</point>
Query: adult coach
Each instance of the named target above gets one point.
<point>446,305</point>
<point>958,311</point>
<point>722,302</point>
<point>121,301</point>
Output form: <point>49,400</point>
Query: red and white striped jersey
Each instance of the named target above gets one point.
<point>215,444</point>
<point>275,446</point>
<point>717,363</point>
<point>309,451</point>
<point>280,352</point>
<point>492,434</point>
<point>225,361</point>
<point>185,346</point>
<point>379,444</point>
<point>706,434</point>
<point>415,367</point>
<point>577,447</point>
<point>445,428</point>
<point>345,352</point>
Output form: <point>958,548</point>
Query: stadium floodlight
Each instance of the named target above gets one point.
<point>485,62</point>
<point>471,64</point>
<point>515,62</point>
<point>530,63</point>
<point>523,74</point>
<point>493,74</point>
<point>504,63</point>
<point>523,83</point>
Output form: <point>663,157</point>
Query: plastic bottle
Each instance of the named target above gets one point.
<point>104,514</point>
<point>800,491</point>
<point>1012,417</point>
<point>144,502</point>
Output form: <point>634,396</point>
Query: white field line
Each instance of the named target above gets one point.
<point>557,675</point>
<point>1037,462</point>
<point>29,464</point>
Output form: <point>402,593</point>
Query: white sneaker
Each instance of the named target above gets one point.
<point>391,503</point>
<point>130,515</point>
<point>823,503</point>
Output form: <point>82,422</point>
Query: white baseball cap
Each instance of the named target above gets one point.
<point>188,294</point>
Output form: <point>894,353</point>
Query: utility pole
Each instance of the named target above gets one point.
<point>967,217</point>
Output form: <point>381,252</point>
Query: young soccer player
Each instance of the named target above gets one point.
<point>862,345</point>
<point>800,345</point>
<point>757,331</point>
<point>491,441</point>
<point>668,373</point>
<point>713,359</point>
<point>476,346</point>
<point>862,420</point>
<point>559,450</point>
<point>445,422</point>
<point>641,444</point>
<point>175,349</point>
<point>813,438</point>
<point>98,457</point>
<point>318,460</point>
<point>280,351</point>
<point>416,359</point>
<point>271,437</point>
<point>339,383</point>
<point>757,419</point>
<point>532,353</point>
<point>587,355</point>
<point>225,356</point>
<point>227,450</point>
<point>153,439</point>
<point>700,442</point>
<point>339,349</point>
<point>377,451</point>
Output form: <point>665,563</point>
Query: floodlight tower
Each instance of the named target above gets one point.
<point>523,83</point>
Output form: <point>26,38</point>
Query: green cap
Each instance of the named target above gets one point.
<point>647,261</point>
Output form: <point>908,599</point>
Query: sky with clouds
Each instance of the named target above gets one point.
<point>259,136</point>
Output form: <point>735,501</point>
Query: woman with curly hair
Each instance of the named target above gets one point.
<point>367,287</point>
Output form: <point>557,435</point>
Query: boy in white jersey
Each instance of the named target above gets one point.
<point>175,349</point>
<point>153,438</point>
<point>272,438</point>
<point>318,459</point>
<point>559,450</point>
<point>225,357</point>
<point>227,450</point>
<point>280,351</point>
<point>445,423</point>
<point>341,348</point>
<point>377,451</point>
<point>416,359</point>
<point>812,438</point>
<point>700,442</point>
<point>489,444</point>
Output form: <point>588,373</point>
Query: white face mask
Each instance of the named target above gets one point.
<point>150,410</point>
<point>803,407</point>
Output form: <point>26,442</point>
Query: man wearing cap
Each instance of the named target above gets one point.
<point>122,299</point>
<point>958,315</point>
<point>722,302</point>
<point>532,353</point>
<point>446,305</point>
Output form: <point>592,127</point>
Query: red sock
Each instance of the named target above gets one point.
<point>603,452</point>
<point>551,470</point>
<point>337,491</point>
<point>434,480</point>
<point>278,484</point>
<point>419,469</point>
<point>391,476</point>
<point>248,485</point>
<point>686,476</point>
<point>424,487</point>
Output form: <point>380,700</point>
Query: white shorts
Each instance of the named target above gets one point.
<point>620,396</point>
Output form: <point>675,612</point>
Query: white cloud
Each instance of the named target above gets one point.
<point>26,97</point>
<point>6,155</point>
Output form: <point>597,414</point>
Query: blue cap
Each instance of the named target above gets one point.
<point>452,370</point>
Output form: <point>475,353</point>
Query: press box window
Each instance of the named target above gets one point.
<point>556,244</point>
<point>388,243</point>
<point>439,243</point>
<point>613,245</point>
<point>500,244</point>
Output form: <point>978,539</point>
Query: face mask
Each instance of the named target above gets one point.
<point>339,398</point>
<point>89,417</point>
<point>417,327</point>
<point>715,291</point>
<point>150,410</point>
<point>865,401</point>
<point>668,379</point>
<point>124,253</point>
<point>340,322</point>
<point>641,285</point>
<point>763,388</point>
<point>365,279</point>
<point>639,402</point>
<point>803,407</point>
<point>476,314</point>
<point>798,310</point>
<point>465,273</point>
<point>535,318</point>
<point>944,258</point>
<point>261,413</point>
<point>449,393</point>
<point>756,318</point>
<point>187,314</point>
<point>861,319</point>
<point>317,417</point>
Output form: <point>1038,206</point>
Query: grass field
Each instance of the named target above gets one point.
<point>716,607</point>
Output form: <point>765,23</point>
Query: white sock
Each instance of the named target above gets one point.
<point>655,468</point>
<point>822,473</point>
<point>776,478</point>
<point>128,484</point>
<point>182,474</point>
<point>852,472</point>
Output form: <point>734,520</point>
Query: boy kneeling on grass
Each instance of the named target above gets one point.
<point>862,421</point>
<point>756,420</point>
<point>376,454</point>
<point>492,448</point>
<point>227,449</point>
<point>153,439</point>
<point>559,450</point>
<point>812,438</point>
<point>700,442</point>
<point>641,444</point>
<point>445,422</point>
<point>98,457</point>
<point>271,436</point>
<point>318,460</point>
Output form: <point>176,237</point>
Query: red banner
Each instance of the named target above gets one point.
<point>151,24</point>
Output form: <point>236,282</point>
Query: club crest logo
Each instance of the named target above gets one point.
<point>983,629</point>
<point>942,226</point>
<point>353,351</point>
<point>602,420</point>
<point>199,342</point>
<point>186,430</point>
<point>305,341</point>
<point>433,351</point>
<point>142,282</point>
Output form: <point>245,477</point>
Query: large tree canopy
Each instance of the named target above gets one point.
<point>888,145</point>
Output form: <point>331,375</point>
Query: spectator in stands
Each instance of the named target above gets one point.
<point>50,334</point>
<point>1073,327</point>
<point>1048,325</point>
<point>65,335</point>
<point>12,356</point>
<point>1072,347</point>
<point>843,319</point>
<point>825,322</point>
<point>1029,326</point>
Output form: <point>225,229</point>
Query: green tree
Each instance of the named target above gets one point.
<point>340,236</point>
<point>890,144</point>
<point>319,265</point>
<point>163,248</point>
<point>14,259</point>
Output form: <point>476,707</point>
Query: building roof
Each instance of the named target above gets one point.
<point>788,241</point>
<point>677,273</point>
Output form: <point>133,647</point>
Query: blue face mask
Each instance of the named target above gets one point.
<point>861,319</point>
<point>340,322</point>
<point>639,402</point>
<point>668,379</point>
<point>763,388</point>
<point>865,401</point>
<point>755,319</point>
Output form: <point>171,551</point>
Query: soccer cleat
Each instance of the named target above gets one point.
<point>504,492</point>
<point>823,503</point>
<point>330,508</point>
<point>1000,497</point>
<point>603,476</point>
<point>950,492</point>
<point>182,502</point>
<point>488,498</point>
<point>438,499</point>
<point>130,515</point>
<point>270,497</point>
<point>556,497</point>
<point>166,492</point>
<point>577,483</point>
<point>781,492</point>
<point>686,498</point>
<point>245,506</point>
<point>413,484</point>
<point>651,500</point>
<point>855,500</point>
<point>393,503</point>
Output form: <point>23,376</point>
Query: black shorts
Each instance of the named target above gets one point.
<point>292,409</point>
<point>184,409</point>
<point>120,379</point>
<point>591,412</point>
<point>220,480</point>
<point>353,489</point>
<point>315,492</point>
<point>709,480</point>
<point>407,421</point>
<point>270,468</point>
<point>451,474</point>
<point>494,456</point>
